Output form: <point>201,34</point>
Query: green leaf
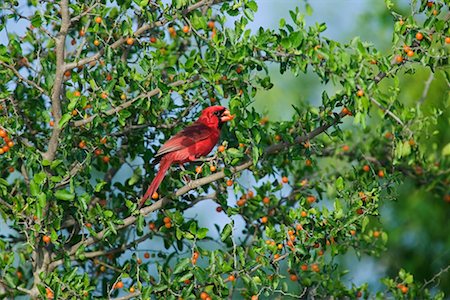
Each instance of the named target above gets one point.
<point>64,195</point>
<point>364,224</point>
<point>339,184</point>
<point>202,232</point>
<point>64,119</point>
<point>446,150</point>
<point>182,265</point>
<point>226,232</point>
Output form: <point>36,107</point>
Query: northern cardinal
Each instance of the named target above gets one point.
<point>189,144</point>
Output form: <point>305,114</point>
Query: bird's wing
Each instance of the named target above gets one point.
<point>185,138</point>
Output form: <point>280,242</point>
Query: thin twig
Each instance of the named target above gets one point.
<point>21,78</point>
<point>426,89</point>
<point>127,104</point>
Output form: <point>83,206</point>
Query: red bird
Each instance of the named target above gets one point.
<point>190,143</point>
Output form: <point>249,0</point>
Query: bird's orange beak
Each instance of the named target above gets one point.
<point>226,116</point>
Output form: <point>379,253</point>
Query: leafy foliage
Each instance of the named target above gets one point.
<point>90,91</point>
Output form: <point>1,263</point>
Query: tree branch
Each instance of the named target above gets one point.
<point>127,104</point>
<point>59,79</point>
<point>21,78</point>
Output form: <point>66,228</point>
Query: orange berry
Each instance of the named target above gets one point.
<point>304,267</point>
<point>204,295</point>
<point>430,4</point>
<point>146,255</point>
<point>399,59</point>
<point>293,277</point>
<point>353,232</point>
<point>254,297</point>
<point>435,12</point>
<point>118,285</point>
<point>98,152</point>
<point>264,220</point>
<point>212,168</point>
<point>311,199</point>
<point>155,195</point>
<point>106,159</point>
<point>108,77</point>
<point>82,32</point>
<point>82,144</point>
<point>304,214</point>
<point>88,225</point>
<point>139,261</point>
<point>406,48</point>
<point>447,40</point>
<point>46,239</point>
<point>10,144</point>
<point>151,226</point>
<point>103,95</point>
<point>266,200</point>
<point>250,194</point>
<point>67,73</point>
<point>315,268</point>
<point>381,173</point>
<point>96,43</point>
<point>167,220</point>
<point>168,225</point>
<point>231,278</point>
<point>74,112</point>
<point>49,293</point>
<point>360,93</point>
<point>132,289</point>
<point>388,135</point>
<point>263,121</point>
<point>229,182</point>
<point>376,234</point>
<point>419,36</point>
<point>359,211</point>
<point>219,209</point>
<point>345,111</point>
<point>221,148</point>
<point>198,169</point>
<point>211,24</point>
<point>130,41</point>
<point>299,227</point>
<point>284,179</point>
<point>404,289</point>
<point>195,255</point>
<point>5,149</point>
<point>152,39</point>
<point>1,151</point>
<point>77,93</point>
<point>103,140</point>
<point>98,20</point>
<point>366,168</point>
<point>277,138</point>
<point>241,202</point>
<point>172,32</point>
<point>410,53</point>
<point>308,163</point>
<point>345,148</point>
<point>186,29</point>
<point>3,133</point>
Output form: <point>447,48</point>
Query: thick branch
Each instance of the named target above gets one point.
<point>59,79</point>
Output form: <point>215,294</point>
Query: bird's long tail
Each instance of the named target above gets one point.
<point>164,165</point>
